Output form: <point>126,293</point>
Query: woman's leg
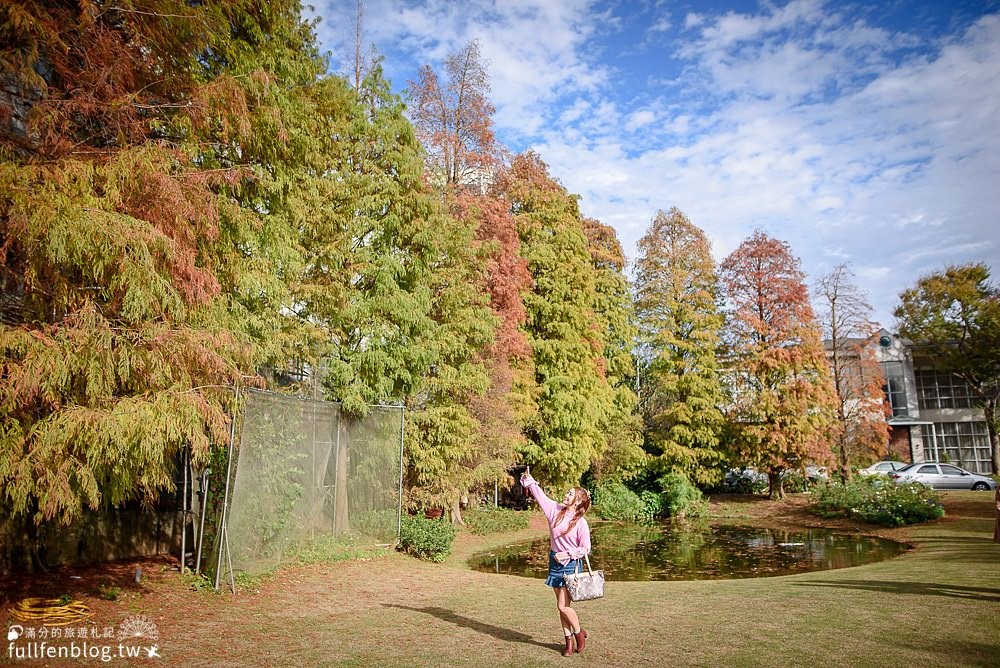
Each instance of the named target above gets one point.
<point>567,626</point>
<point>565,605</point>
<point>568,614</point>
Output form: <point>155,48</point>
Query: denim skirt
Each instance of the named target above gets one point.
<point>557,570</point>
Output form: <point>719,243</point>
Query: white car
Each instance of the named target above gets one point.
<point>882,468</point>
<point>942,476</point>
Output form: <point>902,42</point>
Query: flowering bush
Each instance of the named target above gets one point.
<point>879,501</point>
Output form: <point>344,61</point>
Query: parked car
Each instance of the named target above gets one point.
<point>817,474</point>
<point>942,476</point>
<point>745,480</point>
<point>882,468</point>
<point>748,479</point>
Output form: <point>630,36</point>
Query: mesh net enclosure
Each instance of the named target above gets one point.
<point>306,478</point>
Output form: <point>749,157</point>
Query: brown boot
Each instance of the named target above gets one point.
<point>581,640</point>
<point>569,646</point>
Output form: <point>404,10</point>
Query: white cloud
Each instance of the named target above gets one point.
<point>848,140</point>
<point>639,119</point>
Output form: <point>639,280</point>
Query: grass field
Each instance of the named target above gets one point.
<point>939,605</point>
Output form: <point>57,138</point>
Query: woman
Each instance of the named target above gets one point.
<point>570,542</point>
<point>996,529</point>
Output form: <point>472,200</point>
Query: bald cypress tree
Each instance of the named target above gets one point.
<point>615,319</point>
<point>147,244</point>
<point>783,399</point>
<point>569,387</point>
<point>680,325</point>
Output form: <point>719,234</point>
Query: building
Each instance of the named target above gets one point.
<point>935,415</point>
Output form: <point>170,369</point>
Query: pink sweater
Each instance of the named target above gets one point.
<point>576,543</point>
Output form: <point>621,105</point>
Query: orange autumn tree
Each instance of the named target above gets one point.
<point>454,120</point>
<point>782,405</point>
<point>857,375</point>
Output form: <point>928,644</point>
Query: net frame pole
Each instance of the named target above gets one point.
<point>201,529</point>
<point>223,532</point>
<point>184,509</point>
<point>399,491</point>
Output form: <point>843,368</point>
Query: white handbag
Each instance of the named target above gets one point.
<point>585,586</point>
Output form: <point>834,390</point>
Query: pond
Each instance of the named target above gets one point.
<point>698,552</point>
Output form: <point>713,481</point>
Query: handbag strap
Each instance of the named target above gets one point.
<point>577,569</point>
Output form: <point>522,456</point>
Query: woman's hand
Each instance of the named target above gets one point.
<point>525,475</point>
<point>562,557</point>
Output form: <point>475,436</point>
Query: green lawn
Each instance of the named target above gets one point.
<point>939,605</point>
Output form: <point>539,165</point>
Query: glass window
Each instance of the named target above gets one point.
<point>936,389</point>
<point>894,388</point>
<point>966,444</point>
<point>930,468</point>
<point>950,470</point>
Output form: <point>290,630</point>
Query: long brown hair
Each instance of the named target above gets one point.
<point>581,500</point>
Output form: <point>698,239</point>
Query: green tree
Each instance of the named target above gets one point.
<point>456,128</point>
<point>783,401</point>
<point>569,386</point>
<point>389,286</point>
<point>145,256</point>
<point>955,316</point>
<point>676,292</point>
<point>615,315</point>
<point>370,247</point>
<point>449,452</point>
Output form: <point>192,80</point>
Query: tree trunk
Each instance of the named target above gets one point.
<point>845,462</point>
<point>775,488</point>
<point>456,512</point>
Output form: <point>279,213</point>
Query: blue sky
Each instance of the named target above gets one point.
<point>866,133</point>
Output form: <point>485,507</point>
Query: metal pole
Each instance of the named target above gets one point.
<point>229,559</point>
<point>184,511</point>
<point>399,508</point>
<point>336,468</point>
<point>201,529</point>
<point>223,534</point>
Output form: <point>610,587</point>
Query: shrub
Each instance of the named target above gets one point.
<point>873,499</point>
<point>615,501</point>
<point>652,504</point>
<point>482,520</point>
<point>427,539</point>
<point>680,498</point>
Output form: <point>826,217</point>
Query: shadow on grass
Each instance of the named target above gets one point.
<point>922,588</point>
<point>966,653</point>
<point>498,632</point>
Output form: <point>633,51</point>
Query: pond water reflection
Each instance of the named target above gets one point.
<point>698,552</point>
